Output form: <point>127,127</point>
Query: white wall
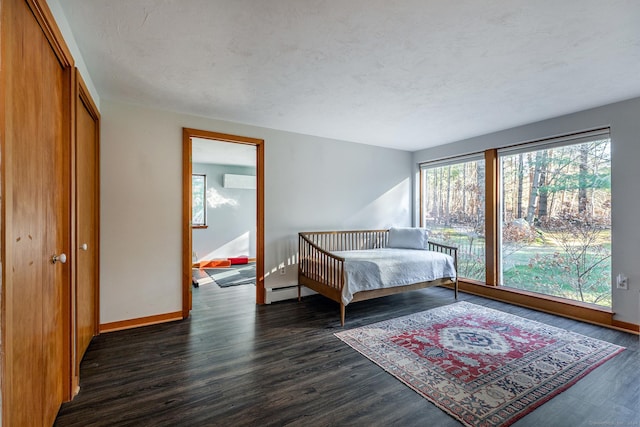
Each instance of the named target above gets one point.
<point>624,120</point>
<point>310,184</point>
<point>231,219</point>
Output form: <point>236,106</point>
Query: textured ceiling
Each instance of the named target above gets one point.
<point>405,74</point>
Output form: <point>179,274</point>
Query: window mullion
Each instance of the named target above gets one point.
<point>491,217</point>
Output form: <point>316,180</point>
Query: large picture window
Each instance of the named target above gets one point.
<point>556,218</point>
<point>536,217</point>
<point>198,198</point>
<point>453,209</point>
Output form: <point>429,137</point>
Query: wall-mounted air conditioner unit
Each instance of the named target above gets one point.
<point>245,182</point>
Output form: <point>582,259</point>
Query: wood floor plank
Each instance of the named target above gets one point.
<point>237,364</point>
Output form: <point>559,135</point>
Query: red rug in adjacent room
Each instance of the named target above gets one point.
<point>482,366</point>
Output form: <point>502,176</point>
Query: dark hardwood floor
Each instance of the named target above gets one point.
<point>237,364</point>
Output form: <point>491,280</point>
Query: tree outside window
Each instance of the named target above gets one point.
<point>556,221</point>
<point>554,214</point>
<point>453,205</point>
<point>198,197</point>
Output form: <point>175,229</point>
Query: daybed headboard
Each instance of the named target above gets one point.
<point>348,240</point>
<point>310,242</point>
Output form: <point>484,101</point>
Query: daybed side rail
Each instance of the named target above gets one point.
<point>318,264</point>
<point>446,249</point>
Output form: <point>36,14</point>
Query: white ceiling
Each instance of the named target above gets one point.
<point>407,74</point>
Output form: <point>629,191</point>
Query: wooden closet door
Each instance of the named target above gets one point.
<point>37,219</point>
<point>87,201</point>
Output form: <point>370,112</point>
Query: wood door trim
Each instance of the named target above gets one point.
<point>187,134</point>
<point>43,15</point>
<point>68,303</point>
<point>186,223</point>
<point>85,96</point>
<point>82,95</point>
<point>92,109</point>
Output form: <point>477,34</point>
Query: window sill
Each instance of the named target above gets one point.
<point>199,226</point>
<point>572,309</point>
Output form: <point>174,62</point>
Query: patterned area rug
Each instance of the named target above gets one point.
<point>482,366</point>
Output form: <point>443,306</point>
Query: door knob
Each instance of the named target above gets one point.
<point>84,246</point>
<point>62,258</point>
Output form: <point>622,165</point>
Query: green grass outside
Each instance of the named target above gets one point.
<point>556,281</point>
<point>524,266</point>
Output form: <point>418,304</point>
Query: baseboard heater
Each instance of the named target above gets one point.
<point>287,293</point>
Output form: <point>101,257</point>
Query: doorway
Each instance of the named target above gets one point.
<point>187,217</point>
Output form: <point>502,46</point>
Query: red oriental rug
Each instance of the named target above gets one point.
<point>482,366</point>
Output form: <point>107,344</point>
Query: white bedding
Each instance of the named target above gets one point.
<point>387,268</point>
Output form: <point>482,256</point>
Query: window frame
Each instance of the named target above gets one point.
<point>490,288</point>
<point>570,140</point>
<point>204,201</point>
<point>449,161</point>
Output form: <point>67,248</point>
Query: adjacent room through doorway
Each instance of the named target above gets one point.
<point>222,207</point>
<point>223,195</point>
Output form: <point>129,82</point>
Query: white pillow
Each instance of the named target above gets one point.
<point>407,238</point>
